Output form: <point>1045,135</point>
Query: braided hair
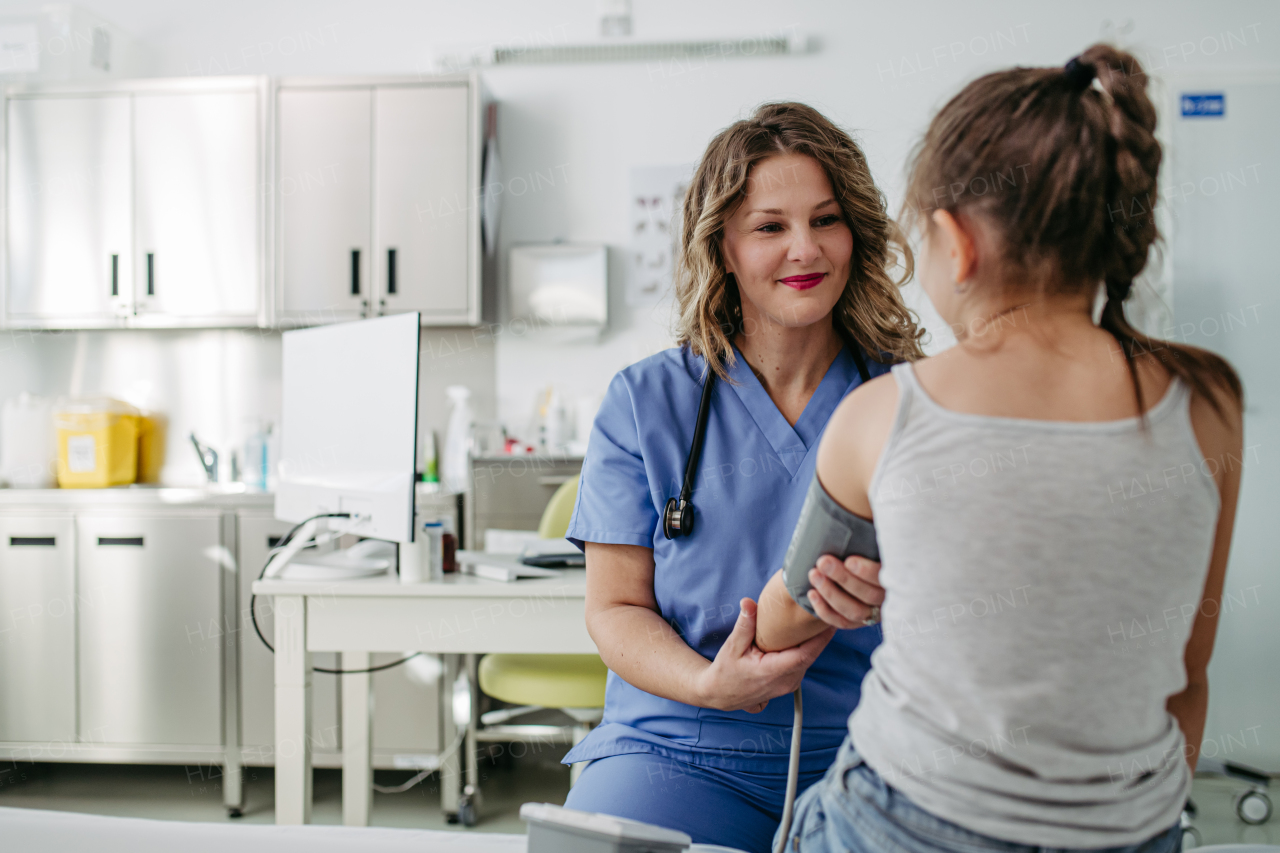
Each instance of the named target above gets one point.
<point>1063,164</point>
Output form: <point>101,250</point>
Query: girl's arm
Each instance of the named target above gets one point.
<point>637,643</point>
<point>843,593</point>
<point>1221,440</point>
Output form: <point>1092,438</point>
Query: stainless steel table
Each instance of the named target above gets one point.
<point>459,615</point>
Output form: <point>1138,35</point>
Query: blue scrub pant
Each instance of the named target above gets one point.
<point>732,808</point>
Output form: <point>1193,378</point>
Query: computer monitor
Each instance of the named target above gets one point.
<point>349,426</point>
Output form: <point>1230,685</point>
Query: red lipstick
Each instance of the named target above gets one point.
<point>804,282</point>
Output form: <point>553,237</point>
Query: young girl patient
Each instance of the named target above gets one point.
<point>1053,497</point>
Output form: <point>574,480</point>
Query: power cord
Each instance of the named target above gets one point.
<point>253,600</point>
<point>444,756</point>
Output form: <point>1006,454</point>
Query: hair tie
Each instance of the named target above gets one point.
<point>1119,290</point>
<point>1079,74</point>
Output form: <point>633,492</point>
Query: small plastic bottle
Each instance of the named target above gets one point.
<point>257,449</point>
<point>448,546</point>
<point>433,544</point>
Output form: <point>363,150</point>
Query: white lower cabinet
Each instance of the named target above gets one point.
<point>151,629</point>
<point>125,635</point>
<point>38,631</point>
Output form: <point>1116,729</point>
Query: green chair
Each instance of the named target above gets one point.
<point>573,684</point>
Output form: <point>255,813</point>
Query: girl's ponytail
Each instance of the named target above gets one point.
<point>1136,159</point>
<point>1064,162</point>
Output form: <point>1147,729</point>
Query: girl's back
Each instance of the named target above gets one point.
<point>1042,571</point>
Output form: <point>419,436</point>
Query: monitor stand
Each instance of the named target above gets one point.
<point>366,559</point>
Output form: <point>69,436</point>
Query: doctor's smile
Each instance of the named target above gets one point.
<point>804,282</point>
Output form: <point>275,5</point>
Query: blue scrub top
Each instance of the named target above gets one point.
<point>754,472</point>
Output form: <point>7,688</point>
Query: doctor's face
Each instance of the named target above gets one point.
<point>787,244</point>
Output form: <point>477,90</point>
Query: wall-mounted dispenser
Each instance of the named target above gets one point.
<point>560,288</point>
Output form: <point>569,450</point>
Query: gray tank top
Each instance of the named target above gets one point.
<point>1041,581</point>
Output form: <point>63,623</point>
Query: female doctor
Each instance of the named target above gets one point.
<point>786,304</point>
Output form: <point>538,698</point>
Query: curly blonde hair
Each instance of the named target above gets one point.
<point>870,311</point>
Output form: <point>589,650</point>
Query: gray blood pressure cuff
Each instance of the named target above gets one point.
<point>824,527</point>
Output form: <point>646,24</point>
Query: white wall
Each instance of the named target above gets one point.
<point>880,70</point>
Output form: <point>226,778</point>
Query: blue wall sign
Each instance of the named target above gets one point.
<point>1207,105</point>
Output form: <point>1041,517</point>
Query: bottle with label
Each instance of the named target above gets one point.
<point>433,545</point>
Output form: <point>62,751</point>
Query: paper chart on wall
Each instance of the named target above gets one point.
<point>657,193</point>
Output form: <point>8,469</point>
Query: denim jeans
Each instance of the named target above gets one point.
<point>852,810</point>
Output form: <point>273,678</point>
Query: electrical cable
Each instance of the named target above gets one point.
<point>253,601</point>
<point>793,772</point>
<point>444,756</point>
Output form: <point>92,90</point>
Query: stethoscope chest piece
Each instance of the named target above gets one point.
<point>677,518</point>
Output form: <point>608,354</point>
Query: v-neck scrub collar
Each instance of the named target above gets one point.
<point>792,444</point>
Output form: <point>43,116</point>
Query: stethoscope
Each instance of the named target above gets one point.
<point>677,517</point>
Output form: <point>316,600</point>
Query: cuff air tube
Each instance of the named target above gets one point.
<point>824,527</point>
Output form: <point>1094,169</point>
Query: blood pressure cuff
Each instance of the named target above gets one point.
<point>824,527</point>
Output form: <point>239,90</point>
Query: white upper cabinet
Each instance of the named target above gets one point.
<point>68,238</point>
<point>322,188</point>
<point>197,190</point>
<point>424,201</point>
<point>241,201</point>
<point>137,203</point>
<point>377,185</point>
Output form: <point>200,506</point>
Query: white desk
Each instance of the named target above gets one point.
<point>461,614</point>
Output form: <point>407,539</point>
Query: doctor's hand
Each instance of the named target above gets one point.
<point>846,594</point>
<point>743,678</point>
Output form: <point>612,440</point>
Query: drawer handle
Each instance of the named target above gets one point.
<point>135,541</point>
<point>554,479</point>
<point>115,275</point>
<point>33,542</point>
<point>391,271</point>
<point>151,273</point>
<point>355,272</point>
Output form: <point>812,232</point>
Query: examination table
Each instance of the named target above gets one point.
<point>42,829</point>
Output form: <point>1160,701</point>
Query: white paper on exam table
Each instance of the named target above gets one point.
<point>500,567</point>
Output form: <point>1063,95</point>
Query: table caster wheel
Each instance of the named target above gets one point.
<point>1253,807</point>
<point>467,812</point>
<point>234,811</point>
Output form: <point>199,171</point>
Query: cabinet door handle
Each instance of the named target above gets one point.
<point>135,541</point>
<point>355,272</point>
<point>151,273</point>
<point>391,270</point>
<point>554,479</point>
<point>115,275</point>
<point>33,542</point>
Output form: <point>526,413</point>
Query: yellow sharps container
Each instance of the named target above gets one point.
<point>97,443</point>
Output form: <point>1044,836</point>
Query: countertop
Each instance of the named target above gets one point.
<point>140,496</point>
<point>571,583</point>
